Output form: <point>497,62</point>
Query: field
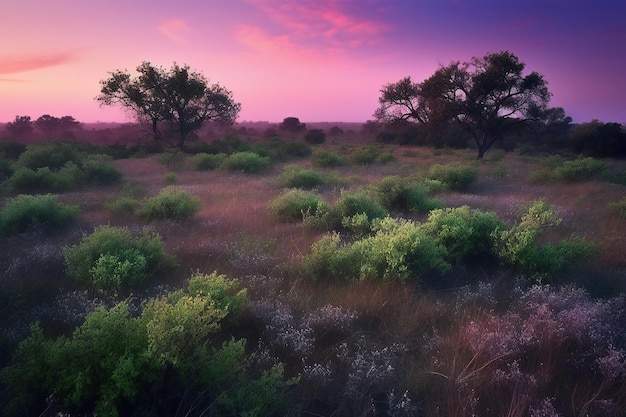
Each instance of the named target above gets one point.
<point>482,337</point>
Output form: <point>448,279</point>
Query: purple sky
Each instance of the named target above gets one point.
<point>317,60</point>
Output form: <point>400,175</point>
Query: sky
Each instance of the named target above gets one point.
<point>318,60</point>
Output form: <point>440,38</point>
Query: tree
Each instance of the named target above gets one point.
<point>179,97</point>
<point>488,96</point>
<point>20,126</point>
<point>292,124</point>
<point>54,125</point>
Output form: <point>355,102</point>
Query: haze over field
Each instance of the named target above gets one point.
<point>318,60</point>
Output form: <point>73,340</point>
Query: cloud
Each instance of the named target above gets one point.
<point>14,64</point>
<point>175,30</point>
<point>326,26</point>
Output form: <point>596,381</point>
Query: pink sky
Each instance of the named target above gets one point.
<point>322,60</point>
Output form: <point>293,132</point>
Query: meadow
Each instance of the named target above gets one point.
<point>271,277</point>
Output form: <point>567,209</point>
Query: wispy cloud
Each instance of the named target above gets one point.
<point>175,30</point>
<point>13,64</point>
<point>325,26</point>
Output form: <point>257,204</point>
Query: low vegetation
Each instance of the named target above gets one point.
<point>350,278</point>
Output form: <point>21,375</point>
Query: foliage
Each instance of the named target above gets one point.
<point>123,205</point>
<point>359,202</point>
<point>455,176</point>
<point>53,155</point>
<point>315,136</point>
<point>464,233</point>
<point>519,246</point>
<point>488,96</point>
<point>599,140</point>
<point>179,97</point>
<point>207,161</point>
<point>395,193</point>
<point>619,207</point>
<point>295,177</point>
<point>330,259</point>
<point>365,155</point>
<point>115,362</point>
<point>293,205</point>
<point>169,178</point>
<point>171,203</point>
<point>580,169</point>
<point>172,158</point>
<point>112,258</point>
<point>248,162</point>
<point>324,158</point>
<point>399,250</point>
<point>292,124</point>
<point>25,212</point>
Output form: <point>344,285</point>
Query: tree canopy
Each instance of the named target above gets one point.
<point>181,98</point>
<point>487,96</point>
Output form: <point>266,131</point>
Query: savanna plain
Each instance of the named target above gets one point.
<point>268,276</point>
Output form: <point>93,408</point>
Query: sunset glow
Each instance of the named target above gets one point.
<point>323,60</point>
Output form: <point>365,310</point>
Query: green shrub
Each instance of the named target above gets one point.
<point>298,149</point>
<point>351,203</point>
<point>112,258</point>
<point>315,136</point>
<point>292,205</point>
<point>295,177</point>
<point>6,167</point>
<point>619,207</point>
<point>207,161</point>
<point>519,247</point>
<point>171,203</point>
<point>99,169</point>
<point>580,169</point>
<point>123,205</point>
<point>248,162</point>
<point>327,159</point>
<point>463,232</point>
<point>53,155</point>
<point>172,158</point>
<point>399,250</point>
<point>455,176</point>
<point>364,156</point>
<point>24,212</point>
<point>169,178</point>
<point>358,225</point>
<point>331,260</point>
<point>387,157</point>
<point>395,193</point>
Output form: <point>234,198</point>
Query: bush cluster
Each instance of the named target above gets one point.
<point>248,162</point>
<point>116,364</point>
<point>324,158</point>
<point>60,166</point>
<point>113,258</point>
<point>403,194</point>
<point>455,176</point>
<point>171,203</point>
<point>293,205</point>
<point>396,249</point>
<point>25,212</point>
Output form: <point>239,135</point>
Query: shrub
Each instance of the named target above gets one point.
<point>364,156</point>
<point>327,159</point>
<point>172,158</point>
<point>395,193</point>
<point>351,203</point>
<point>292,205</point>
<point>169,178</point>
<point>315,136</point>
<point>580,169</point>
<point>26,212</point>
<point>248,162</point>
<point>454,176</point>
<point>619,207</point>
<point>463,232</point>
<point>329,259</point>
<point>399,250</point>
<point>298,149</point>
<point>519,246</point>
<point>112,258</point>
<point>295,177</point>
<point>98,169</point>
<point>171,203</point>
<point>206,161</point>
<point>123,205</point>
<point>53,155</point>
